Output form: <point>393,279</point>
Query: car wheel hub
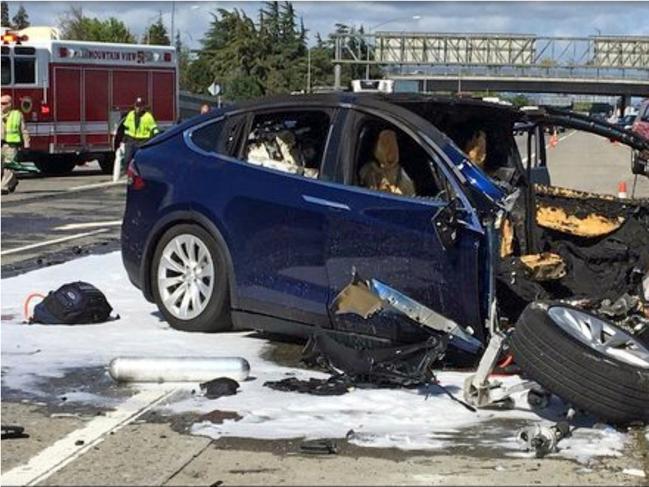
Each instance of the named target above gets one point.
<point>185,276</point>
<point>601,335</point>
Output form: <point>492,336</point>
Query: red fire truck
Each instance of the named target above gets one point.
<point>73,94</point>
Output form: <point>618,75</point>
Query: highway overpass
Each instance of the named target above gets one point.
<point>602,65</point>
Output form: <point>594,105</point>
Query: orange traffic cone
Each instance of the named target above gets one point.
<point>621,189</point>
<point>554,140</point>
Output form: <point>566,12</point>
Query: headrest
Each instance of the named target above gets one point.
<point>476,148</point>
<point>386,150</point>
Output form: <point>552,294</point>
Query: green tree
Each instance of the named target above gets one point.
<point>156,34</point>
<point>520,100</point>
<point>262,58</point>
<point>21,19</point>
<point>231,55</point>
<point>75,26</point>
<point>5,15</point>
<point>285,62</point>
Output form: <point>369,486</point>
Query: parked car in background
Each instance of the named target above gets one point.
<point>626,122</point>
<point>641,123</point>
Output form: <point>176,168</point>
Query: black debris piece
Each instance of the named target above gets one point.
<point>334,386</point>
<point>354,363</point>
<point>319,447</point>
<point>538,398</point>
<point>223,386</point>
<point>390,366</point>
<point>620,307</point>
<point>10,432</point>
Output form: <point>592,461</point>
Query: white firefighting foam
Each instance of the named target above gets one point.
<point>422,419</point>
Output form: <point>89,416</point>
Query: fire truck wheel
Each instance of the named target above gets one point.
<point>106,163</point>
<point>55,164</point>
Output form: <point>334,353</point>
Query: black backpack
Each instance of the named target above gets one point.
<point>72,304</point>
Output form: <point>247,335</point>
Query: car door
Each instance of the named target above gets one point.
<point>275,235</point>
<point>393,238</point>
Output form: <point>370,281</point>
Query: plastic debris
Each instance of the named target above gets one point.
<point>223,386</point>
<point>542,440</point>
<point>319,447</point>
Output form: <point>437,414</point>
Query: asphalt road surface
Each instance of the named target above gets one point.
<point>50,220</point>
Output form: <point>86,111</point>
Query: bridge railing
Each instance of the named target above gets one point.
<point>625,57</point>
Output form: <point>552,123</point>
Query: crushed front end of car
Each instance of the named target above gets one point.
<point>567,290</point>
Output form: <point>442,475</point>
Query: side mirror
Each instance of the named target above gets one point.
<point>446,223</point>
<point>640,163</point>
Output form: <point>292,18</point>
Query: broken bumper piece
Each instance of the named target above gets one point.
<point>366,298</point>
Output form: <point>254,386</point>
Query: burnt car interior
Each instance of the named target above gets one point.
<point>289,141</point>
<point>555,243</point>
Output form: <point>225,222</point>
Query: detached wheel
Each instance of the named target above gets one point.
<point>587,361</point>
<point>189,280</point>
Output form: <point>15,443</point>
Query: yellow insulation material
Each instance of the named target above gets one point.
<point>592,225</point>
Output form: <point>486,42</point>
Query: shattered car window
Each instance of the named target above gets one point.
<point>292,142</point>
<point>220,136</point>
<point>207,138</point>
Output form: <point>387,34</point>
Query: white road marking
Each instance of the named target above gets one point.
<point>52,242</point>
<point>75,444</point>
<point>77,226</point>
<point>547,146</point>
<point>570,134</point>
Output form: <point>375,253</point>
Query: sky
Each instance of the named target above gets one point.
<point>541,18</point>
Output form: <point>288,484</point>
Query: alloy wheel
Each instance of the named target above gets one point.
<point>185,276</point>
<point>601,335</point>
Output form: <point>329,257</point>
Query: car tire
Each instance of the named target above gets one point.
<point>209,311</point>
<point>56,164</point>
<point>614,388</point>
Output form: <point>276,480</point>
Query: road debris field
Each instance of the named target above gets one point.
<point>97,403</point>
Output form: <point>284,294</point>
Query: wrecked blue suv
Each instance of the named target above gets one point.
<point>262,215</point>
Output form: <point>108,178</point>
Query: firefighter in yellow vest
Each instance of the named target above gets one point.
<point>139,126</point>
<point>14,138</point>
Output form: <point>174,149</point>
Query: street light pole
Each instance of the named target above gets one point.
<point>173,18</point>
<point>308,70</point>
<point>369,31</point>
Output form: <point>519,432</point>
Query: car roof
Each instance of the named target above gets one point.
<point>369,100</point>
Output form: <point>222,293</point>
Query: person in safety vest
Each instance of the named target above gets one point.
<point>139,126</point>
<point>14,138</point>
